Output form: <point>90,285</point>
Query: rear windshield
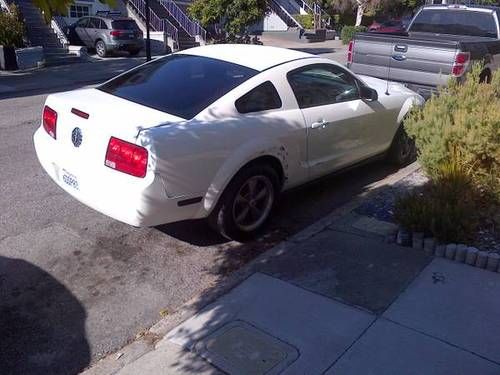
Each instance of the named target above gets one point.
<point>124,25</point>
<point>182,85</point>
<point>456,22</point>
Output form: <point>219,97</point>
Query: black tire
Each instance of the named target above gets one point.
<point>403,150</point>
<point>101,49</point>
<point>134,52</point>
<point>485,76</point>
<point>232,204</point>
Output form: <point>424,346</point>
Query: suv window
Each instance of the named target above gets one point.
<point>94,23</point>
<point>455,22</point>
<point>82,22</point>
<point>262,98</point>
<point>124,25</point>
<point>182,85</point>
<point>322,85</point>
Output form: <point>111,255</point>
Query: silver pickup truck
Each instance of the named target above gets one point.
<point>441,41</point>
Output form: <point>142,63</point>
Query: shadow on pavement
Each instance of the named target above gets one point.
<point>42,325</point>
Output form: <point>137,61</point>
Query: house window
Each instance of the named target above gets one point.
<point>77,11</point>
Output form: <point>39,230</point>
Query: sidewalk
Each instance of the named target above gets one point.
<point>338,299</point>
<point>15,84</point>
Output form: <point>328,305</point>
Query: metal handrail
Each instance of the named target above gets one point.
<point>58,24</point>
<point>193,28</point>
<point>4,5</point>
<point>157,23</point>
<point>314,9</point>
<point>278,8</point>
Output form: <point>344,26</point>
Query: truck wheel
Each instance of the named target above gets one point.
<point>100,48</point>
<point>247,203</point>
<point>403,150</point>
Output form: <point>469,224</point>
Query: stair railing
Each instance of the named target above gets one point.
<point>157,23</point>
<point>58,24</point>
<point>283,13</point>
<point>193,28</point>
<point>4,6</point>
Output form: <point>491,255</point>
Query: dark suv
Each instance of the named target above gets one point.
<point>107,34</point>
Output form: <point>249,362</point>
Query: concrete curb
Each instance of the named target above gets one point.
<point>460,253</point>
<point>112,363</point>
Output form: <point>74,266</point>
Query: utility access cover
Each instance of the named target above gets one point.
<point>239,348</point>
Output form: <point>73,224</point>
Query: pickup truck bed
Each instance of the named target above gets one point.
<point>421,60</point>
<point>429,54</point>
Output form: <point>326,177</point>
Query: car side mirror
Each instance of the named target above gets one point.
<point>367,93</point>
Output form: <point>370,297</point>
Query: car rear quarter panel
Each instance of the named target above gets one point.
<point>199,157</point>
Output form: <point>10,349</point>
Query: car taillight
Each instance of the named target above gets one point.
<point>350,50</point>
<point>460,64</point>
<point>115,33</point>
<point>126,157</point>
<point>50,121</point>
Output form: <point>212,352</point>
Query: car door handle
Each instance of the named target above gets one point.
<point>401,48</point>
<point>319,124</point>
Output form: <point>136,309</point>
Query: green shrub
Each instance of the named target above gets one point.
<point>348,32</point>
<point>445,208</point>
<point>306,20</point>
<point>463,121</point>
<point>11,28</point>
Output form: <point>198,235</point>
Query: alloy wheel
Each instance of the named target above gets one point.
<point>253,203</point>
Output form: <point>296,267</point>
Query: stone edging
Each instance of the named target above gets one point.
<point>458,252</point>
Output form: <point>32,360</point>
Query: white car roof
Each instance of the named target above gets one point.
<point>249,55</point>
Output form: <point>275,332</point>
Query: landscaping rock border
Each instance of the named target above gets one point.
<point>460,253</point>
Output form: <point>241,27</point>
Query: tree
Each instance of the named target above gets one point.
<point>60,7</point>
<point>235,15</point>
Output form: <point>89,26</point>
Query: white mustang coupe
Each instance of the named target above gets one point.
<point>217,132</point>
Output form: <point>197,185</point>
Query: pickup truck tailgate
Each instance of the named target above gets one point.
<point>400,58</point>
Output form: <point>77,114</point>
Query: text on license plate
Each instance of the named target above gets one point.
<point>70,179</point>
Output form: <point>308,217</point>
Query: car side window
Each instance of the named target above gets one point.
<point>102,25</point>
<point>93,23</point>
<point>319,85</point>
<point>82,22</point>
<point>262,98</point>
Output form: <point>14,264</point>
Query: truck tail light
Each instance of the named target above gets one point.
<point>350,50</point>
<point>126,157</point>
<point>50,121</point>
<point>460,64</point>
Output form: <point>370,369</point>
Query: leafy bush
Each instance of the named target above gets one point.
<point>11,28</point>
<point>463,121</point>
<point>306,20</point>
<point>457,134</point>
<point>348,32</point>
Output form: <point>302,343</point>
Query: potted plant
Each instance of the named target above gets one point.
<point>11,36</point>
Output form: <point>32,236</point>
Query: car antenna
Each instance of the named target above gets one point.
<point>389,71</point>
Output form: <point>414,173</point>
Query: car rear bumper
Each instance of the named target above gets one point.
<point>126,45</point>
<point>134,201</point>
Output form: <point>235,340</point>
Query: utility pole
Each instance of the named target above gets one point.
<point>148,41</point>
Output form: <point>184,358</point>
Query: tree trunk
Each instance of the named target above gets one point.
<point>359,14</point>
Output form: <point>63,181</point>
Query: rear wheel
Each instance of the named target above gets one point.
<point>247,203</point>
<point>403,150</point>
<point>100,48</point>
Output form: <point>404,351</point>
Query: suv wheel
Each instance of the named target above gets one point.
<point>100,48</point>
<point>247,203</point>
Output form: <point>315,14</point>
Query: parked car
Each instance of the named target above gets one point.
<point>442,42</point>
<point>217,132</point>
<point>106,34</point>
<point>389,26</point>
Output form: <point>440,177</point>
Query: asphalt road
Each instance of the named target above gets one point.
<point>75,285</point>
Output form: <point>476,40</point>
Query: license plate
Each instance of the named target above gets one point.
<point>70,179</point>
